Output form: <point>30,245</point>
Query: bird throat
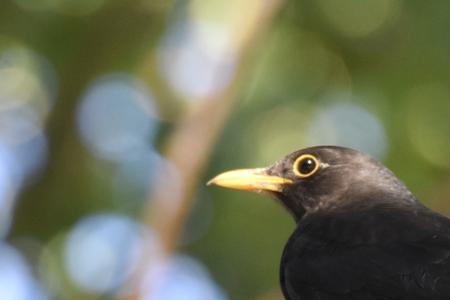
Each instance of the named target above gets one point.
<point>296,209</point>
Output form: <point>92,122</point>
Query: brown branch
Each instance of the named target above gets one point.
<point>191,144</point>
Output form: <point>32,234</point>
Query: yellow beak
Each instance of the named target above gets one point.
<point>250,180</point>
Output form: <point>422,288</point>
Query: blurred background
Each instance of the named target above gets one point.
<point>114,114</point>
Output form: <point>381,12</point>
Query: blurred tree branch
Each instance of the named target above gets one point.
<point>195,134</point>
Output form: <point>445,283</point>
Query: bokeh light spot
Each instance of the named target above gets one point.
<point>102,251</point>
<point>139,169</point>
<point>7,190</point>
<point>117,117</point>
<point>26,80</point>
<point>196,58</point>
<point>349,125</point>
<point>28,87</point>
<point>23,137</point>
<point>180,278</point>
<point>16,279</point>
<point>30,158</point>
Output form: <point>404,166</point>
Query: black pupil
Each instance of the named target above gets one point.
<point>306,166</point>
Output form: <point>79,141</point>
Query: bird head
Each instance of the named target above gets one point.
<point>320,178</point>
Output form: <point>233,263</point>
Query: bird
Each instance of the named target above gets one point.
<point>360,232</point>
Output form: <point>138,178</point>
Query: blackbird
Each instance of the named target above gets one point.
<point>361,234</point>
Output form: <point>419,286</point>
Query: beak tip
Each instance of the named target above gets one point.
<point>214,181</point>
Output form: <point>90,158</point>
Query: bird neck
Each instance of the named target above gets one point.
<point>360,223</point>
<point>295,208</point>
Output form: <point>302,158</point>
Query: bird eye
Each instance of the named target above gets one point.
<point>305,165</point>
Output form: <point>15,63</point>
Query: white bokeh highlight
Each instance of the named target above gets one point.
<point>8,191</point>
<point>347,124</point>
<point>197,57</point>
<point>102,251</point>
<point>117,117</point>
<point>180,278</point>
<point>28,88</point>
<point>28,80</point>
<point>16,278</point>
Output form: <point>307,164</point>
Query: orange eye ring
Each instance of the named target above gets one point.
<point>305,165</point>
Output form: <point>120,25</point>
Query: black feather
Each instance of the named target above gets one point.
<point>361,234</point>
